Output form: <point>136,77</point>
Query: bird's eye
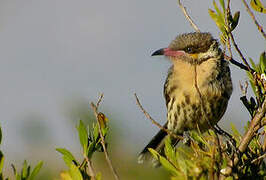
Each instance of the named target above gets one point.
<point>189,50</point>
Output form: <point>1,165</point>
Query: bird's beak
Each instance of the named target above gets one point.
<point>169,52</point>
<point>158,52</point>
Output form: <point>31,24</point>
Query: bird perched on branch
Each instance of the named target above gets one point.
<point>197,88</point>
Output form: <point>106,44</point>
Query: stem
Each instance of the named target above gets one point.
<point>254,19</point>
<point>188,17</point>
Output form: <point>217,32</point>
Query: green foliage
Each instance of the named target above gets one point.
<point>258,79</point>
<point>83,136</point>
<point>90,142</point>
<point>189,163</point>
<point>67,156</point>
<point>204,158</point>
<point>26,173</point>
<point>226,23</point>
<point>257,6</point>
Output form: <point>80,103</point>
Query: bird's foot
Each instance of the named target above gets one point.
<point>187,138</point>
<point>231,148</point>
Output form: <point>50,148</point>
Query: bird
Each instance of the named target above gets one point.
<point>197,88</point>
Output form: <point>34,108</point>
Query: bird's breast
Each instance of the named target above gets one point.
<point>195,96</point>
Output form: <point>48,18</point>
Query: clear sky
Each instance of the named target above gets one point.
<point>55,53</point>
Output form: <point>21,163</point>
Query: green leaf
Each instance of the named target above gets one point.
<point>182,165</point>
<point>67,156</point>
<point>95,132</point>
<point>229,178</point>
<point>18,177</point>
<point>105,130</point>
<point>217,20</point>
<point>263,62</point>
<point>91,149</point>
<point>75,173</point>
<point>167,165</point>
<point>66,153</point>
<point>154,153</point>
<point>198,138</point>
<point>258,6</point>
<point>98,176</point>
<point>25,172</point>
<point>235,131</point>
<point>254,66</point>
<point>169,150</point>
<point>219,13</point>
<point>2,158</point>
<point>83,136</point>
<point>235,20</point>
<point>67,161</point>
<point>222,4</point>
<point>65,175</point>
<point>36,170</point>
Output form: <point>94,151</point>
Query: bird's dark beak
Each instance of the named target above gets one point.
<point>158,52</point>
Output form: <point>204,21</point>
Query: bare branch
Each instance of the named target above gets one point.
<point>254,19</point>
<point>236,63</point>
<point>188,17</point>
<point>102,138</point>
<point>154,122</point>
<point>240,53</point>
<point>99,101</point>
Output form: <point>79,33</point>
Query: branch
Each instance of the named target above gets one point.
<point>102,138</point>
<point>254,19</point>
<point>154,122</point>
<point>91,170</point>
<point>240,53</point>
<point>255,125</point>
<point>188,17</point>
<point>261,157</point>
<point>236,63</point>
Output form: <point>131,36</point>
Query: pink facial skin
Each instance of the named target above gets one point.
<point>172,53</point>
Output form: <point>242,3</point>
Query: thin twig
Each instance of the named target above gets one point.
<point>99,101</point>
<point>254,19</point>
<point>260,157</point>
<point>238,64</point>
<point>102,138</point>
<point>154,122</point>
<point>239,52</point>
<point>188,17</point>
<point>91,170</point>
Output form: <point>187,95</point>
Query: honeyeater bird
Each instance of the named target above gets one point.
<point>197,88</point>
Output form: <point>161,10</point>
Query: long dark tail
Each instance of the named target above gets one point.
<point>157,143</point>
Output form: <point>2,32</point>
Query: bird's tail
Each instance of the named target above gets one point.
<point>157,143</point>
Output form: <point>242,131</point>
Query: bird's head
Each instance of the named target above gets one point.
<point>193,48</point>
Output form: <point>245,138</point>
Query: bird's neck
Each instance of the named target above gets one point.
<point>186,75</point>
